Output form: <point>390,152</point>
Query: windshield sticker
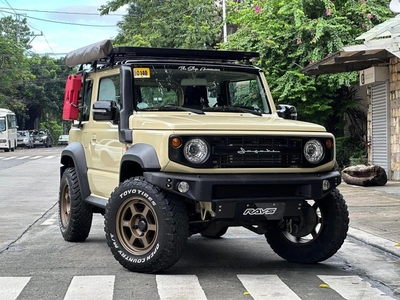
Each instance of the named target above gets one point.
<point>141,72</point>
<point>195,69</point>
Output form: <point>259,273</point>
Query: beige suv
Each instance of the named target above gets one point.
<point>168,143</point>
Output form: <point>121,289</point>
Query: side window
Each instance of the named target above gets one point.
<point>11,121</point>
<point>109,89</point>
<point>87,99</point>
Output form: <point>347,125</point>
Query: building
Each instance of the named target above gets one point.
<point>378,62</point>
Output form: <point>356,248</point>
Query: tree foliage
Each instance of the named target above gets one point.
<point>291,34</point>
<point>30,85</point>
<point>195,24</point>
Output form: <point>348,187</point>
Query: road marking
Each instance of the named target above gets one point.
<point>36,157</point>
<point>11,287</point>
<point>48,157</point>
<point>262,287</point>
<point>51,221</point>
<point>23,157</point>
<point>172,287</point>
<point>353,287</point>
<point>91,288</point>
<point>8,158</point>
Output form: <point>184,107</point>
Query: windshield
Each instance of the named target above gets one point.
<point>201,88</point>
<point>2,124</point>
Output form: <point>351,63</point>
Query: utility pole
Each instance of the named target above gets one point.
<point>224,20</point>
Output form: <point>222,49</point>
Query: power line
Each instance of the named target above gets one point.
<point>63,12</point>
<point>70,23</point>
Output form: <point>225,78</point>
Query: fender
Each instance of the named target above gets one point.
<point>75,152</point>
<point>142,154</point>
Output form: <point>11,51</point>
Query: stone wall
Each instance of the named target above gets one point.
<point>394,119</point>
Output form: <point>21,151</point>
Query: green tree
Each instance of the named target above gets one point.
<point>14,67</point>
<point>42,97</point>
<point>290,34</point>
<point>195,24</point>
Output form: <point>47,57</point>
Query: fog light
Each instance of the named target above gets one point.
<point>325,185</point>
<point>183,187</point>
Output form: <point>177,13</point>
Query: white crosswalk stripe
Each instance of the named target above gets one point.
<point>9,158</point>
<point>11,287</point>
<point>23,157</point>
<point>91,288</point>
<point>267,286</point>
<point>35,157</point>
<point>171,287</point>
<point>28,157</point>
<point>188,287</point>
<point>353,288</point>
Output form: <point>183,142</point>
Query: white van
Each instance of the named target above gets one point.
<point>8,130</point>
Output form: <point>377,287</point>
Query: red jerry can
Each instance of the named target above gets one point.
<point>71,97</point>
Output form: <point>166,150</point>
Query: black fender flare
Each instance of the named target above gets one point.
<point>144,155</point>
<point>75,152</point>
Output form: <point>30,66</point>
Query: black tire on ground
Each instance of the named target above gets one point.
<point>326,237</point>
<point>146,229</point>
<point>214,235</point>
<point>75,215</point>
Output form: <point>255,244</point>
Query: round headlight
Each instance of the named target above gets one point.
<point>196,151</point>
<point>314,151</point>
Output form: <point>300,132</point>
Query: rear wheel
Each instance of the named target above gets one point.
<point>75,216</point>
<point>316,236</point>
<point>146,229</point>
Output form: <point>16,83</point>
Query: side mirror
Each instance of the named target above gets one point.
<point>287,111</point>
<point>104,110</point>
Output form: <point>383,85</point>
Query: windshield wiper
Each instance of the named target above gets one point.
<point>235,108</point>
<point>173,108</point>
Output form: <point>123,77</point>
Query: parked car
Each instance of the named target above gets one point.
<point>42,137</point>
<point>63,139</point>
<point>24,139</point>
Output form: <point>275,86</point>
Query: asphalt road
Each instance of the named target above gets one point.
<point>36,263</point>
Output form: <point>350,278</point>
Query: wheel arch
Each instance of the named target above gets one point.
<point>138,159</point>
<point>74,156</point>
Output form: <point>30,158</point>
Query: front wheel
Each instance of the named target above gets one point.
<point>146,229</point>
<point>75,216</point>
<point>317,235</point>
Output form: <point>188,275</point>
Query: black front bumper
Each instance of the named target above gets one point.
<point>247,187</point>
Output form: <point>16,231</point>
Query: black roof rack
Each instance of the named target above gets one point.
<point>104,53</point>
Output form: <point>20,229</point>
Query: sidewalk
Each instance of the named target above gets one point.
<point>374,214</point>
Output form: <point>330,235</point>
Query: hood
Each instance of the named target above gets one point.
<point>218,121</point>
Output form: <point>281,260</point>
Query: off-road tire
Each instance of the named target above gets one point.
<point>333,227</point>
<point>75,215</point>
<point>146,229</point>
<point>215,235</point>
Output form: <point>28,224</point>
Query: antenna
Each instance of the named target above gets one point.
<point>394,6</point>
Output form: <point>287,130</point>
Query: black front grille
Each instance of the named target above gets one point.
<point>257,152</point>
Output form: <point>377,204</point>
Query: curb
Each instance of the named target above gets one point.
<point>375,241</point>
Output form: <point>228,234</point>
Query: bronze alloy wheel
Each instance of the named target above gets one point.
<point>75,216</point>
<point>137,226</point>
<point>65,205</point>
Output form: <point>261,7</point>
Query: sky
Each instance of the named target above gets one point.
<point>55,23</point>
